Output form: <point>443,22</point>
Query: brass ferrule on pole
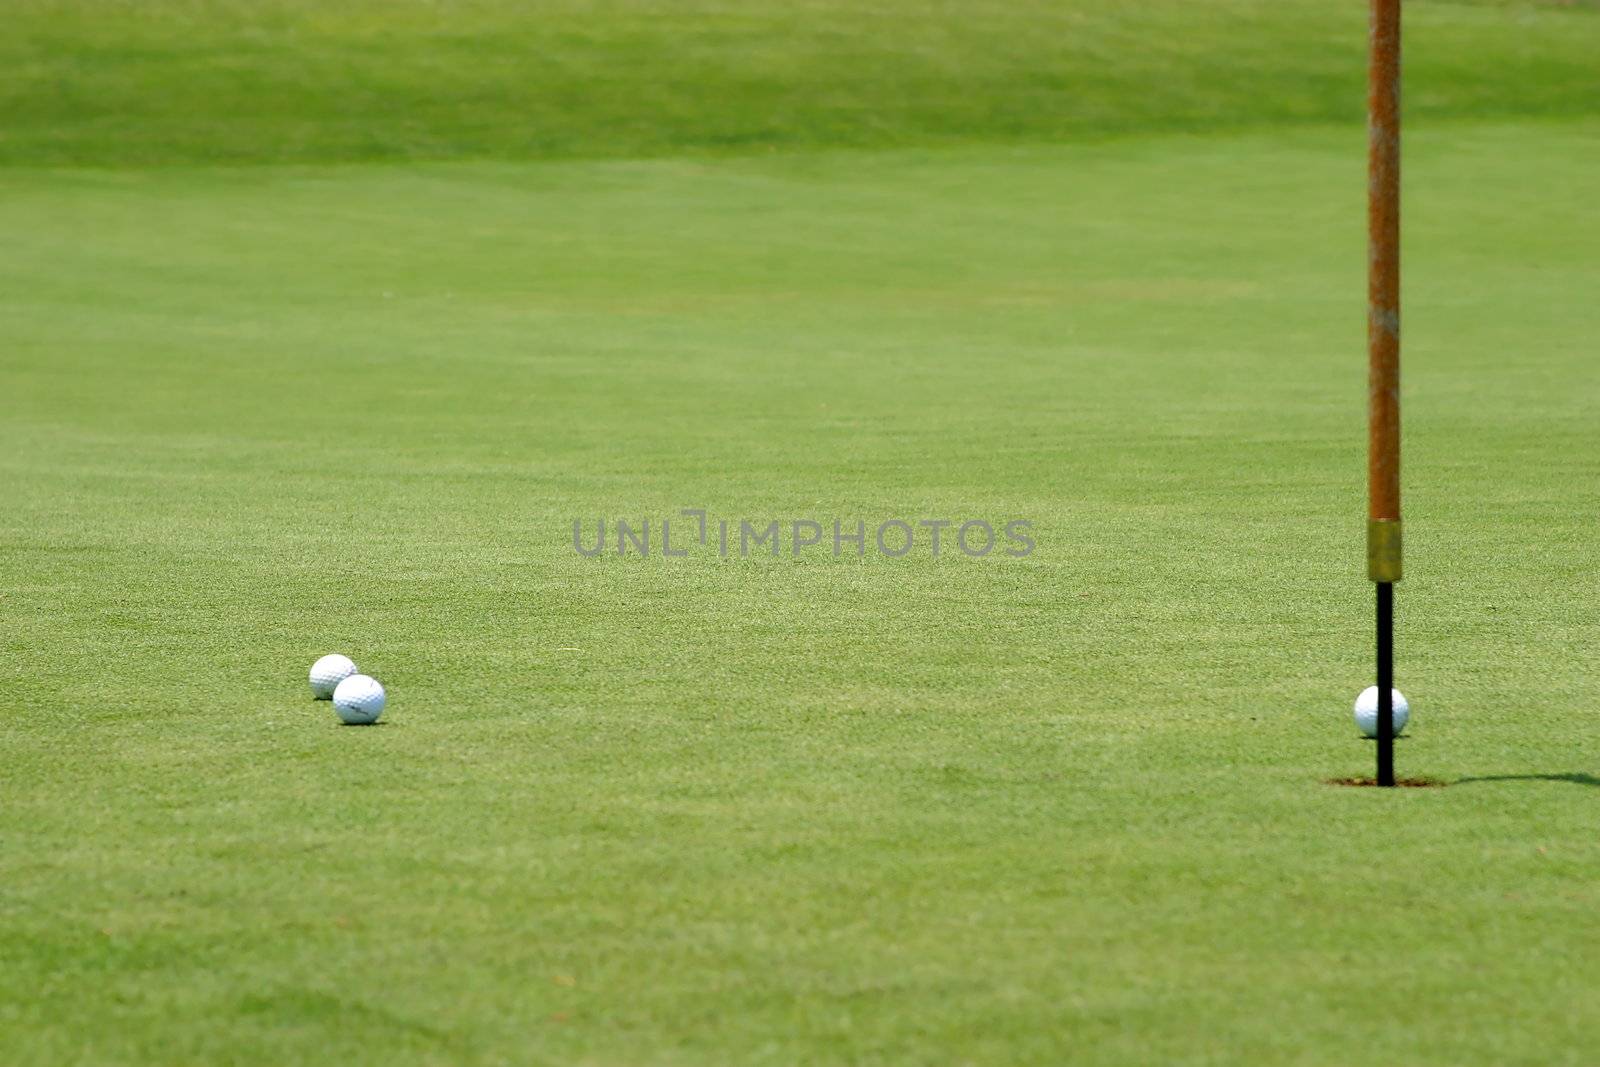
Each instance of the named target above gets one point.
<point>1383,550</point>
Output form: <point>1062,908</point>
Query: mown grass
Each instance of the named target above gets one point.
<point>1070,808</point>
<point>109,83</point>
<point>1067,808</point>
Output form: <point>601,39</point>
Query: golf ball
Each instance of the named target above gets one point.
<point>358,700</point>
<point>328,672</point>
<point>1367,711</point>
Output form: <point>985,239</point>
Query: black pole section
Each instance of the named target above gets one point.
<point>1385,683</point>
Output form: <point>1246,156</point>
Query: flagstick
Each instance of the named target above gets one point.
<point>1383,351</point>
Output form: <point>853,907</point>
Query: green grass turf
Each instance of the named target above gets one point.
<point>1061,809</point>
<point>162,81</point>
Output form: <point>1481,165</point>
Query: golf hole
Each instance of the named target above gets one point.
<point>1402,783</point>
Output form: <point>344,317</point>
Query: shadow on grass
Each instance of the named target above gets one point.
<point>1575,777</point>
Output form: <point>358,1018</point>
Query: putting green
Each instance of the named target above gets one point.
<point>775,810</point>
<point>1096,267</point>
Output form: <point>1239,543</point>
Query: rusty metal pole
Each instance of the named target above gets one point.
<point>1383,351</point>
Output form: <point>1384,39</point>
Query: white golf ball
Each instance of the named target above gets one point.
<point>328,672</point>
<point>359,700</point>
<point>1367,711</point>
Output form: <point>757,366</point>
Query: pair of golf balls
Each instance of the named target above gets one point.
<point>357,698</point>
<point>1367,711</point>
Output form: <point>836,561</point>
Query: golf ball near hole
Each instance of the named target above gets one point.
<point>1367,711</point>
<point>328,672</point>
<point>358,700</point>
